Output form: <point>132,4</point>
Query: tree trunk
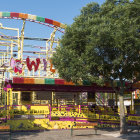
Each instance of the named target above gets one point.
<point>123,128</point>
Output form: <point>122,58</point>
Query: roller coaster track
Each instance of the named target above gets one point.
<point>26,38</point>
<point>33,18</point>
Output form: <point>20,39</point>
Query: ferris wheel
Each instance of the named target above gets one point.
<point>25,56</point>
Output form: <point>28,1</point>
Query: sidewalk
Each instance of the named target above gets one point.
<point>77,135</point>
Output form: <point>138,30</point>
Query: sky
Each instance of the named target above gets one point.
<point>62,11</point>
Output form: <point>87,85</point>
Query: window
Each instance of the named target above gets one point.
<point>26,96</point>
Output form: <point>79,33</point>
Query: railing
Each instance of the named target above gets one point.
<point>82,113</point>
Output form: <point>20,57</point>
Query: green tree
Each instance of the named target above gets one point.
<point>103,44</point>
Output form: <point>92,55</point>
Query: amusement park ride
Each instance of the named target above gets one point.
<point>32,93</point>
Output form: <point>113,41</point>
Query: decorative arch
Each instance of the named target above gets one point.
<point>32,18</point>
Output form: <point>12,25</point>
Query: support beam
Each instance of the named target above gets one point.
<point>22,41</point>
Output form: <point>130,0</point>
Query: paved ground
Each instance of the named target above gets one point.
<point>77,135</point>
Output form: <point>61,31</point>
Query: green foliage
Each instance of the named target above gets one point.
<point>2,113</point>
<point>102,44</point>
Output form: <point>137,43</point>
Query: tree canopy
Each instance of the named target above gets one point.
<point>102,44</point>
